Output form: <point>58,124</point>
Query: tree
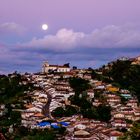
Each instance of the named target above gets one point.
<point>17,115</point>
<point>67,65</point>
<point>11,87</point>
<point>123,100</point>
<point>90,113</point>
<point>58,112</point>
<point>133,134</point>
<point>74,68</point>
<point>75,100</point>
<point>85,104</point>
<point>61,130</point>
<point>104,113</point>
<point>79,85</point>
<point>42,135</point>
<point>70,110</point>
<point>90,69</point>
<point>23,131</point>
<point>61,112</point>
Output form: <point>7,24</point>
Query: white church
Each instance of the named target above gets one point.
<point>47,67</point>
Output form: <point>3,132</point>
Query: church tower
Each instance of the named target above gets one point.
<point>45,67</point>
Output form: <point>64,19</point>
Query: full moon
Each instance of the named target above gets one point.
<point>44,27</point>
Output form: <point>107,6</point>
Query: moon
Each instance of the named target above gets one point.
<point>44,27</point>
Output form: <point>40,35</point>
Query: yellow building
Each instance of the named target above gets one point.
<point>112,89</point>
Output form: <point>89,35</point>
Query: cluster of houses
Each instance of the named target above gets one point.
<point>57,86</point>
<point>54,91</point>
<point>33,112</point>
<point>84,129</point>
<point>43,101</point>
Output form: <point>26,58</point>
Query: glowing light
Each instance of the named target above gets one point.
<point>44,27</point>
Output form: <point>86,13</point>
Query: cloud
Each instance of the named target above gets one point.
<point>11,28</point>
<point>64,39</point>
<point>108,37</point>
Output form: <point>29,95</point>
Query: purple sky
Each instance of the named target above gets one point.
<point>86,33</point>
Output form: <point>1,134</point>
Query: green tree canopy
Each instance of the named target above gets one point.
<point>79,84</point>
<point>58,112</point>
<point>125,76</point>
<point>133,134</point>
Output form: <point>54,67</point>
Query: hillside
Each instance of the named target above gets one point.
<point>124,74</point>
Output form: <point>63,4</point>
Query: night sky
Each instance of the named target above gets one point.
<point>86,33</point>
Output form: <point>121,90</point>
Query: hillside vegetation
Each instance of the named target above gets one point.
<point>124,75</point>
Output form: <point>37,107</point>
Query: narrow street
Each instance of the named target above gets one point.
<point>46,110</point>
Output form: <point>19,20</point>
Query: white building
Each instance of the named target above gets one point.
<point>46,68</point>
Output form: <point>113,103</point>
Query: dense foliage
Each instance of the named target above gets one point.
<point>64,112</point>
<point>22,133</point>
<point>133,134</point>
<point>125,75</point>
<point>102,113</point>
<point>79,85</point>
<point>81,99</point>
<point>11,87</point>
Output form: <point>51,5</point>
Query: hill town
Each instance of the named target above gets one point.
<point>67,103</point>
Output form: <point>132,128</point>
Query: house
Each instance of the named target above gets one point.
<point>34,109</point>
<point>133,103</point>
<point>28,123</point>
<point>2,110</point>
<point>137,111</point>
<point>68,74</point>
<point>129,115</point>
<point>136,114</point>
<point>58,76</point>
<point>114,135</point>
<point>62,87</point>
<point>96,102</point>
<point>123,58</point>
<point>90,93</point>
<point>87,76</point>
<point>136,61</point>
<point>36,94</point>
<point>126,95</point>
<point>42,99</point>
<point>109,134</point>
<point>101,87</point>
<point>59,97</point>
<point>26,114</point>
<point>118,123</point>
<point>136,117</point>
<point>80,126</point>
<point>81,134</point>
<point>97,83</point>
<point>112,89</point>
<point>80,75</point>
<point>126,109</point>
<point>124,91</point>
<point>113,99</point>
<point>38,115</point>
<point>118,116</point>
<point>128,112</point>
